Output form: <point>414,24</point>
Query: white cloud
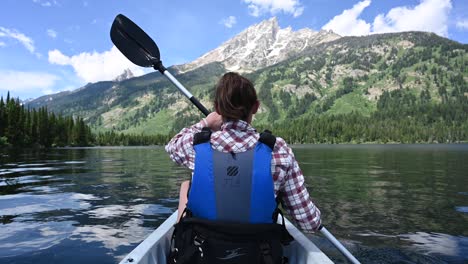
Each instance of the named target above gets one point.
<point>52,33</point>
<point>26,41</point>
<point>48,91</point>
<point>20,81</point>
<point>428,15</point>
<point>94,67</point>
<point>348,22</point>
<point>229,22</point>
<point>261,7</point>
<point>2,44</point>
<point>46,3</point>
<point>57,57</point>
<point>254,10</point>
<point>462,24</point>
<point>60,89</point>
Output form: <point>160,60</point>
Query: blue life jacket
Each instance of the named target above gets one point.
<point>233,187</point>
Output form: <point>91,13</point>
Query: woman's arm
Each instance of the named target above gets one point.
<point>294,195</point>
<point>180,148</point>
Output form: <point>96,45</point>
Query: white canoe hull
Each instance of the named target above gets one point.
<point>154,248</point>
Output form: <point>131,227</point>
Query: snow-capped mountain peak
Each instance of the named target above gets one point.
<point>261,45</point>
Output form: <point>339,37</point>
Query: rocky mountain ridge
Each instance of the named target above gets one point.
<point>127,74</point>
<point>259,46</point>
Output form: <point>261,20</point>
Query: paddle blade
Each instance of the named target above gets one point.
<point>133,42</point>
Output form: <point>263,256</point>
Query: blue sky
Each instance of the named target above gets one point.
<point>48,46</point>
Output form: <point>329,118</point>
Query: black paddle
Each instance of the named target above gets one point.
<point>140,49</point>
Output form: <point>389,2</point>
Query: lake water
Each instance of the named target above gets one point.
<point>387,203</point>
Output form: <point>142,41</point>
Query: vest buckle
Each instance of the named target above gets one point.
<point>198,242</point>
<point>265,248</point>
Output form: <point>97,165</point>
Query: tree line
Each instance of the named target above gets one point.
<point>401,117</point>
<point>21,127</point>
<point>111,138</point>
<point>24,127</point>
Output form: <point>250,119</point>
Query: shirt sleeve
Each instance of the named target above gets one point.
<point>180,148</point>
<point>294,195</point>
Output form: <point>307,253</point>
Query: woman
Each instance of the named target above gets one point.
<point>235,104</point>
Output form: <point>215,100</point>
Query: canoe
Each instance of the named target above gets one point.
<point>154,248</point>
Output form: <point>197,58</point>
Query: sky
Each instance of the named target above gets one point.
<point>48,46</point>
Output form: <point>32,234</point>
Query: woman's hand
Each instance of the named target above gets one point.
<point>214,121</point>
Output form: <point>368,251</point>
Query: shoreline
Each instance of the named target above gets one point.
<point>294,145</point>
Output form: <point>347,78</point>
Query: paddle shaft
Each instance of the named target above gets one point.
<point>338,245</point>
<point>186,93</point>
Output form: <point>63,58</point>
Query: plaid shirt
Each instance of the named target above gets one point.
<point>239,136</point>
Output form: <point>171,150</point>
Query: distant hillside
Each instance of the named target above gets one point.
<point>363,76</point>
<point>146,103</point>
<point>351,74</point>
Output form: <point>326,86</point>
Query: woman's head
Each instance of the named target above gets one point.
<point>235,97</point>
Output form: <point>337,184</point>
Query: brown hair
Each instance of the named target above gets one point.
<point>235,97</point>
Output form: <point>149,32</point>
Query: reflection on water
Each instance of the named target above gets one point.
<point>386,203</point>
<point>437,244</point>
<point>111,211</point>
<point>26,237</point>
<point>129,233</point>
<point>19,204</point>
<point>409,198</point>
<point>70,205</point>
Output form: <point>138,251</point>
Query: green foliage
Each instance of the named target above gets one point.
<point>3,141</point>
<point>112,138</point>
<point>21,127</point>
<point>400,117</point>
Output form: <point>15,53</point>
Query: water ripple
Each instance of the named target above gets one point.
<point>19,204</point>
<point>110,211</point>
<point>462,209</point>
<point>21,238</point>
<point>438,244</point>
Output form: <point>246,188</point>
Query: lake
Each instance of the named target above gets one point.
<point>386,203</point>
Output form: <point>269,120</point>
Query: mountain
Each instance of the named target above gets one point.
<point>127,74</point>
<point>261,45</point>
<point>409,75</point>
<point>359,67</point>
<point>148,101</point>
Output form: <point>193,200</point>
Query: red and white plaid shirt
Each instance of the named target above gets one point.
<point>239,136</point>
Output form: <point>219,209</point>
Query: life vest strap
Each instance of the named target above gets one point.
<point>202,136</point>
<point>267,138</point>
